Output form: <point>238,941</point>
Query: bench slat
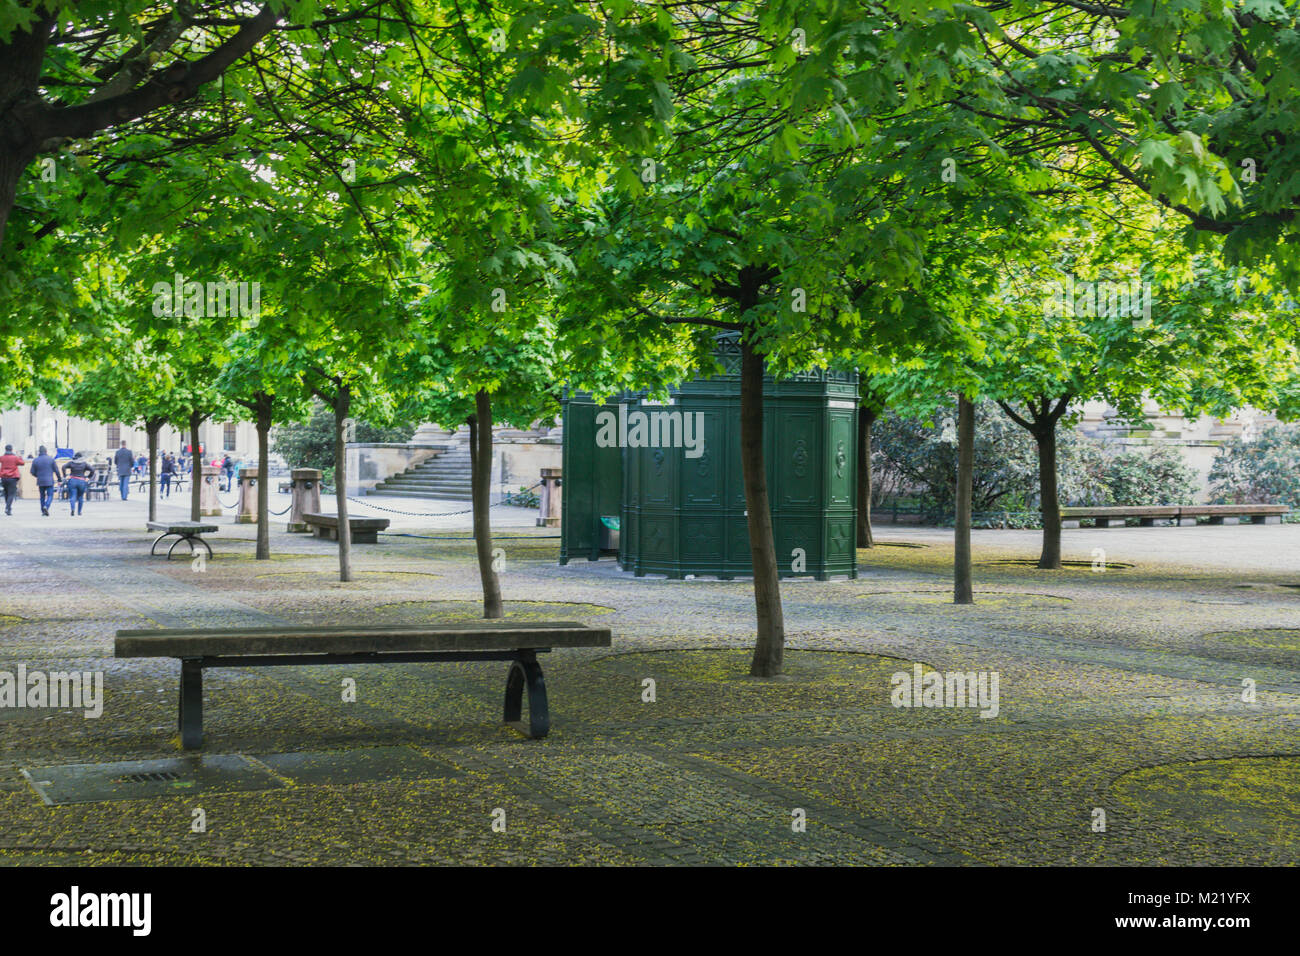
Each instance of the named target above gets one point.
<point>332,521</point>
<point>217,642</point>
<point>1211,510</point>
<point>175,527</point>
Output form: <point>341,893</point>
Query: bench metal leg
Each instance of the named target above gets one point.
<point>526,669</point>
<point>165,534</point>
<point>190,716</point>
<point>191,538</point>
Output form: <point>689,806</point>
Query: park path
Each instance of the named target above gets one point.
<point>715,771</point>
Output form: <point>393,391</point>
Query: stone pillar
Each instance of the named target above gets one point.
<point>549,506</point>
<point>247,510</point>
<point>209,503</point>
<point>26,480</point>
<point>306,497</point>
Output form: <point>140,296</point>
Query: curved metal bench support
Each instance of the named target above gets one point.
<point>190,538</point>
<point>527,670</point>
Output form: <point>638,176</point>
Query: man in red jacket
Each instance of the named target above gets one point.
<point>9,464</point>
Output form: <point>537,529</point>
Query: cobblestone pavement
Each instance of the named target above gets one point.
<point>1121,693</point>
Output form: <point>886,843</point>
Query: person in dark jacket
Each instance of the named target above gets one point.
<point>47,471</point>
<point>78,473</point>
<point>165,475</point>
<point>124,460</point>
<point>9,465</point>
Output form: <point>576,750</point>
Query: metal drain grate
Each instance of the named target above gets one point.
<point>152,777</point>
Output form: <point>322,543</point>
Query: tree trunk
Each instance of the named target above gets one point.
<point>962,587</point>
<point>151,429</point>
<point>1045,436</point>
<point>480,458</point>
<point>866,417</point>
<point>23,55</point>
<point>769,650</point>
<point>264,403</point>
<point>196,464</point>
<point>342,403</point>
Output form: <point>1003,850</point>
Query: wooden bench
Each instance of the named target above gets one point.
<point>364,530</point>
<point>282,646</point>
<point>1148,515</point>
<point>185,531</point>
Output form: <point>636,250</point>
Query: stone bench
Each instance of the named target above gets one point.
<point>1232,514</point>
<point>1147,515</point>
<point>190,531</point>
<point>364,530</point>
<point>1184,515</point>
<point>518,643</point>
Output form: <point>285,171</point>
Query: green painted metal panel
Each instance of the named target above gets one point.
<point>592,477</point>
<point>687,515</point>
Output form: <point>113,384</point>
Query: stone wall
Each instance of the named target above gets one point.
<point>369,463</point>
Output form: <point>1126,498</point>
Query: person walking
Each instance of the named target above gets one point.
<point>165,475</point>
<point>9,465</point>
<point>228,467</point>
<point>78,473</point>
<point>47,471</point>
<point>125,461</point>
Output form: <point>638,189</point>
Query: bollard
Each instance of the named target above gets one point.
<point>246,513</point>
<point>549,504</point>
<point>306,497</point>
<point>209,503</point>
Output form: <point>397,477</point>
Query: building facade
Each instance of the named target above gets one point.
<point>29,426</point>
<point>1196,439</point>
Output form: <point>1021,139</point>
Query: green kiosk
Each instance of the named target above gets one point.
<point>661,484</point>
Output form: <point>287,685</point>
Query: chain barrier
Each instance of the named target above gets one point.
<point>430,514</point>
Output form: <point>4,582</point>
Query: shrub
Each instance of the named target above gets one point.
<point>1154,475</point>
<point>1263,471</point>
<point>523,498</point>
<point>922,455</point>
<point>310,444</point>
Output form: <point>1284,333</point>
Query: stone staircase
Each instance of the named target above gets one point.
<point>444,476</point>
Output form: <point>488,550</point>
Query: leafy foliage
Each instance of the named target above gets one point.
<point>1155,475</point>
<point>921,453</point>
<point>310,444</point>
<point>1263,471</point>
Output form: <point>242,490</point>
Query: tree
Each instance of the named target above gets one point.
<point>267,392</point>
<point>1189,103</point>
<point>122,380</point>
<point>772,210</point>
<point>1214,342</point>
<point>477,368</point>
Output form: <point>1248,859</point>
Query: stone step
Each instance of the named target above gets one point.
<point>425,485</point>
<point>440,496</point>
<point>445,476</point>
<point>414,483</point>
